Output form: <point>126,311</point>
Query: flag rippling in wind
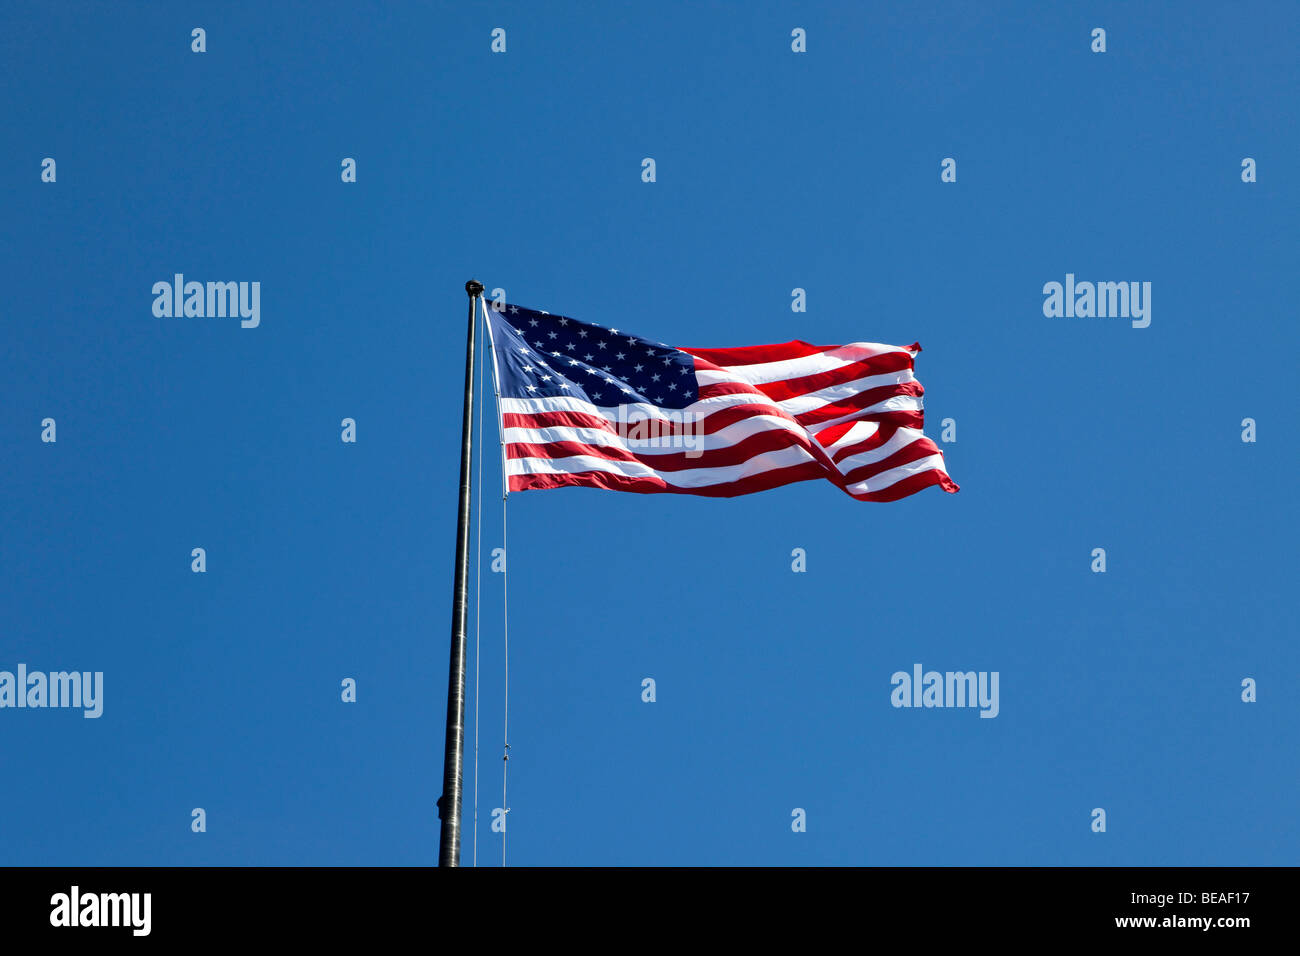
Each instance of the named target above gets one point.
<point>592,406</point>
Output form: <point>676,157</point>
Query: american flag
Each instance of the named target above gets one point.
<point>582,404</point>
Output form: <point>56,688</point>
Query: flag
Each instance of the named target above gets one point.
<point>586,405</point>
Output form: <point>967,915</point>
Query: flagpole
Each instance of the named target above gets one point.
<point>454,747</point>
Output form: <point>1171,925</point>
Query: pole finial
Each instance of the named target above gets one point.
<point>474,287</point>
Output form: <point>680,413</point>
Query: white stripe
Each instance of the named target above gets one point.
<point>837,393</point>
<point>763,372</point>
<point>625,437</point>
<point>529,406</point>
<point>894,475</point>
<point>897,442</point>
<point>692,478</point>
<point>899,403</point>
<point>829,393</point>
<point>858,431</point>
<point>567,403</point>
<point>798,404</point>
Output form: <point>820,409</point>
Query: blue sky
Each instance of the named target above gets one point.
<point>775,170</point>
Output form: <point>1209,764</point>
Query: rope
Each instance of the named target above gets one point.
<point>505,630</point>
<point>505,607</point>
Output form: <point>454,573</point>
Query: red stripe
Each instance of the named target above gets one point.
<point>913,451</point>
<point>736,454</point>
<point>875,440</point>
<point>712,422</point>
<point>757,354</point>
<point>557,419</point>
<point>603,479</point>
<point>838,409</point>
<point>881,364</point>
<point>744,486</point>
<point>910,486</point>
<point>859,401</point>
<point>832,433</point>
<point>900,419</point>
<point>716,389</point>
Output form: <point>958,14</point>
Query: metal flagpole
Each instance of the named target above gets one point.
<point>454,747</point>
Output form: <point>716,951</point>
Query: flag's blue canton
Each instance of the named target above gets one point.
<point>541,355</point>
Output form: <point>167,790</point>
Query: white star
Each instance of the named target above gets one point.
<point>546,378</point>
<point>564,385</point>
<point>638,368</point>
<point>582,333</point>
<point>514,309</point>
<point>619,356</point>
<point>631,340</point>
<point>606,368</point>
<point>552,335</point>
<point>591,371</point>
<point>613,331</point>
<point>658,400</point>
<point>686,371</point>
<point>524,350</point>
<point>668,360</point>
<point>627,391</point>
<point>557,354</point>
<point>573,361</point>
<point>528,368</point>
<point>649,351</point>
<point>563,320</point>
<point>588,357</point>
<point>596,396</point>
<point>609,381</point>
<point>672,386</point>
<point>570,346</point>
<point>532,388</point>
<point>600,345</point>
<point>531,322</point>
<point>654,378</point>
